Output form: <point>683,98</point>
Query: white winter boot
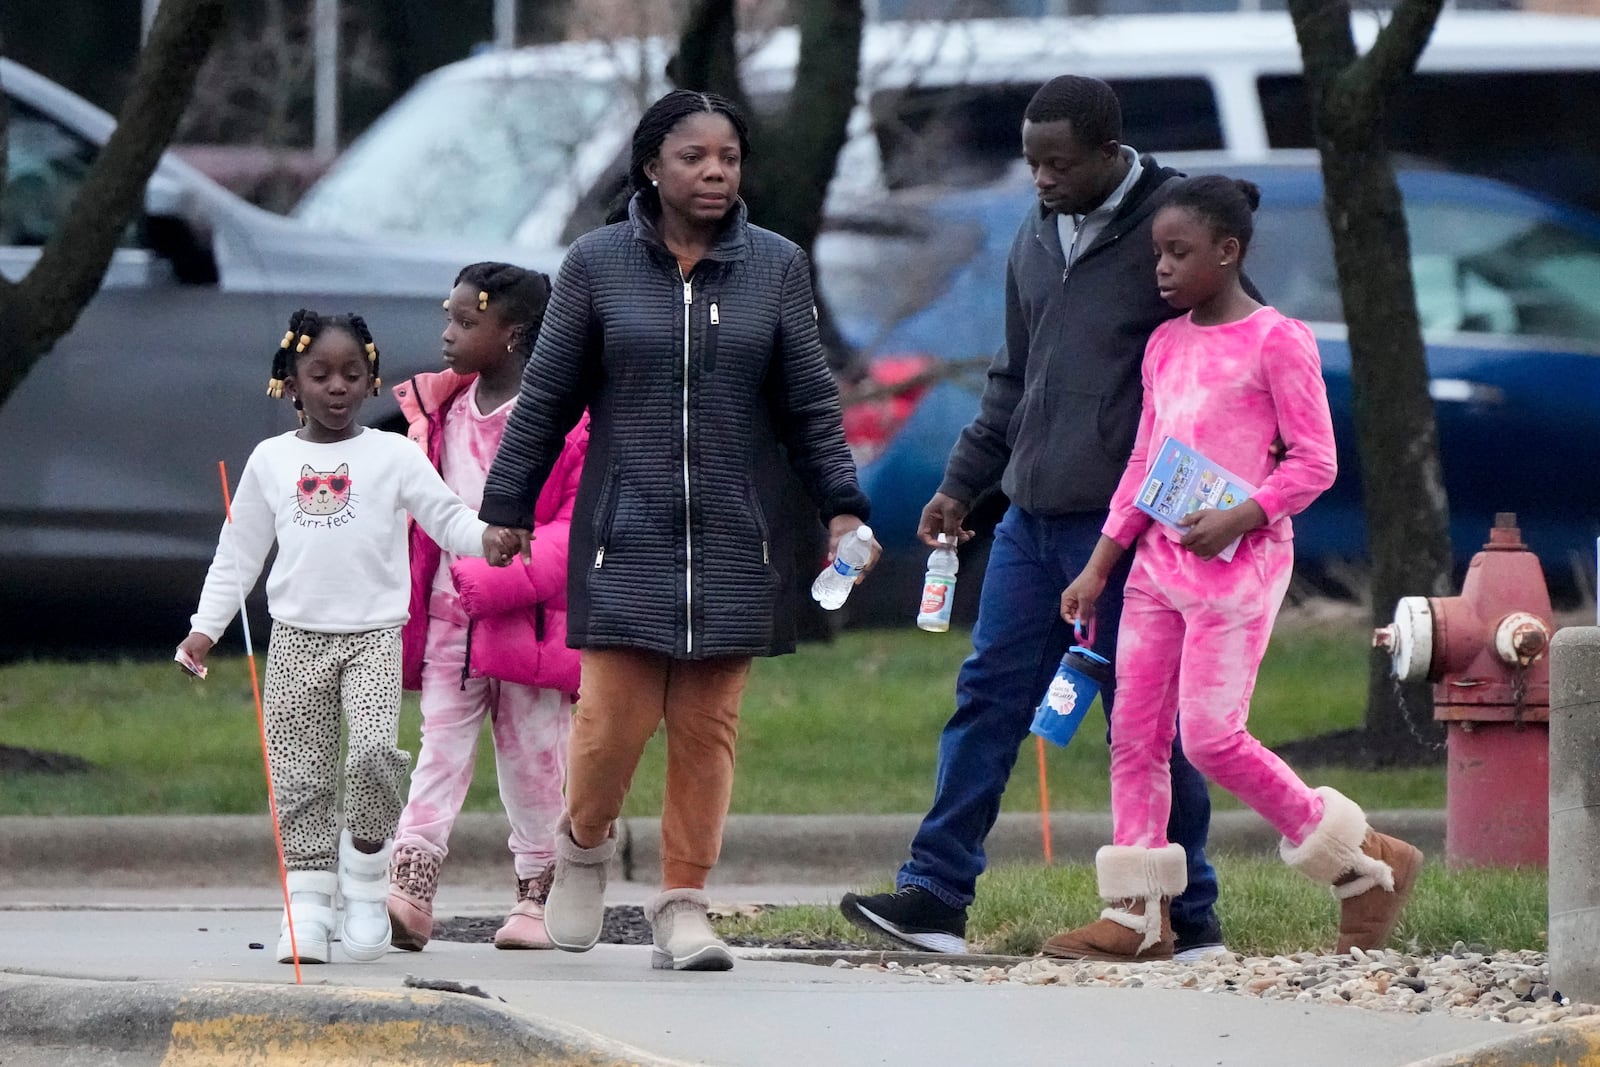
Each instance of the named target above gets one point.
<point>683,935</point>
<point>311,906</point>
<point>364,884</point>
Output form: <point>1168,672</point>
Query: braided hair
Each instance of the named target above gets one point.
<point>1226,205</point>
<point>660,119</point>
<point>305,327</point>
<point>519,295</point>
<point>1089,104</point>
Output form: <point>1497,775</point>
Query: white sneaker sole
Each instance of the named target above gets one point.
<point>1200,953</point>
<point>312,950</point>
<point>709,958</point>
<point>949,944</point>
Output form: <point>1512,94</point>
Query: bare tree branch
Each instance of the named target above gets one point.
<point>1394,54</point>
<point>43,306</point>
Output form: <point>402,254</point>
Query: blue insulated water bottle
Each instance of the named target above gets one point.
<point>1079,679</point>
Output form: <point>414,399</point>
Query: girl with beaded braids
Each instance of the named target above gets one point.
<point>486,643</point>
<point>334,496</point>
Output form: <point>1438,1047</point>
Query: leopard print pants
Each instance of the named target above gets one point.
<point>314,680</point>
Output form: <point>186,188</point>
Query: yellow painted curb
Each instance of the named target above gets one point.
<point>1565,1044</point>
<point>232,1024</point>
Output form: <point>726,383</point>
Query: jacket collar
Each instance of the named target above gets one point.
<point>732,241</point>
<point>1139,202</point>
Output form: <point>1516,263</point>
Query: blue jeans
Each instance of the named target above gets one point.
<point>1016,647</point>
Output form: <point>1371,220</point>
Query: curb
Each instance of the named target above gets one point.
<point>130,850</point>
<point>220,1024</point>
<point>1564,1044</point>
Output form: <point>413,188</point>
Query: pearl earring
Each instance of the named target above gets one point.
<point>511,348</point>
<point>654,182</point>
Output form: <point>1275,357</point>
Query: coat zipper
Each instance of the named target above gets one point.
<point>688,512</point>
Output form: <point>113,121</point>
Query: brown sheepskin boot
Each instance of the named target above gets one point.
<point>1138,884</point>
<point>1370,873</point>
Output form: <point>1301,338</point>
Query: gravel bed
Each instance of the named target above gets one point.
<point>1509,987</point>
<point>624,925</point>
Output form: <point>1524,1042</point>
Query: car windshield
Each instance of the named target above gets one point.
<point>437,164</point>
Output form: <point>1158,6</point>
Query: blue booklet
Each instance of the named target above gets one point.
<point>1182,481</point>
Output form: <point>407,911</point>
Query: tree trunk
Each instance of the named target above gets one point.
<point>1408,538</point>
<point>39,309</point>
<point>793,153</point>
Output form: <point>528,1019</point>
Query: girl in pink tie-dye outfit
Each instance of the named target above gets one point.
<point>1228,379</point>
<point>486,643</point>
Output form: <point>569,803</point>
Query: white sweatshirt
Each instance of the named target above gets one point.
<point>338,513</point>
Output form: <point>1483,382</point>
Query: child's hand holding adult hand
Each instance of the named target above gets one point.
<point>1211,530</point>
<point>502,544</point>
<point>1077,599</point>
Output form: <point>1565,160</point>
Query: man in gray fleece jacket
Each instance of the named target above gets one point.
<point>1054,430</point>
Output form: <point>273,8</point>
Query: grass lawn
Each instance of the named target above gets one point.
<point>845,727</point>
<point>1265,908</point>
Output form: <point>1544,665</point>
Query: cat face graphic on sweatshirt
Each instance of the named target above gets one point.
<point>323,492</point>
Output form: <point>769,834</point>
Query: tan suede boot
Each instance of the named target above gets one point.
<point>1370,873</point>
<point>684,940</point>
<point>1139,884</point>
<point>575,907</point>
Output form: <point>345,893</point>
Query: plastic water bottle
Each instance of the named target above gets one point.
<point>833,585</point>
<point>939,588</point>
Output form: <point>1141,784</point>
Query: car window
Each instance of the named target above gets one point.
<point>460,158</point>
<point>965,136</point>
<point>1501,272</point>
<point>1476,269</point>
<point>46,164</point>
<point>1477,122</point>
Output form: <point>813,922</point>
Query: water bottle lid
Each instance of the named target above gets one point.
<point>864,532</point>
<point>1090,654</point>
<point>944,539</point>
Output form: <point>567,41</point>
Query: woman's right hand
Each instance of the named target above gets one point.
<point>1078,598</point>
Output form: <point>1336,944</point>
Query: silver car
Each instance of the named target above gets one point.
<point>109,493</point>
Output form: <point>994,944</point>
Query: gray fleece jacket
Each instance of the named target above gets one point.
<point>1061,405</point>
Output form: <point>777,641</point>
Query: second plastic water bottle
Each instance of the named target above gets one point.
<point>833,585</point>
<point>939,587</point>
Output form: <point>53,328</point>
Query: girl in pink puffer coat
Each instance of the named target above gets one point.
<point>486,642</point>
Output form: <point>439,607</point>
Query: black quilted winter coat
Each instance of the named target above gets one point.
<point>691,384</point>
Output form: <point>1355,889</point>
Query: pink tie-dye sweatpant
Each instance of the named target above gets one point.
<point>1192,637</point>
<point>530,728</point>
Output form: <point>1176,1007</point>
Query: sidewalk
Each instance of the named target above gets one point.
<point>128,941</point>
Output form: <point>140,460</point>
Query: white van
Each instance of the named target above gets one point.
<point>530,145</point>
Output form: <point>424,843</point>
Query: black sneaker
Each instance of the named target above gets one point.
<point>1202,942</point>
<point>912,916</point>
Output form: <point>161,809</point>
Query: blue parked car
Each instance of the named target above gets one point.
<point>1508,288</point>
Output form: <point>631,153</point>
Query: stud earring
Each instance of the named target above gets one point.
<point>511,348</point>
<point>655,183</point>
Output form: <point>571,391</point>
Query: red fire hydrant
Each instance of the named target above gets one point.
<point>1485,653</point>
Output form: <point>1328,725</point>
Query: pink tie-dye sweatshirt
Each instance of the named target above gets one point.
<point>1227,391</point>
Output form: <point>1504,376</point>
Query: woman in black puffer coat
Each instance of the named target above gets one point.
<point>690,335</point>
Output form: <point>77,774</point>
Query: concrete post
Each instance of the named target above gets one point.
<point>1575,812</point>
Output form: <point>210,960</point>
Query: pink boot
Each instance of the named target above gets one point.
<point>413,880</point>
<point>524,927</point>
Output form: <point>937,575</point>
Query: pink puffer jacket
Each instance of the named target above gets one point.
<point>517,615</point>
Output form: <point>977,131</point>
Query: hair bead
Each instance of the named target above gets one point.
<point>288,339</point>
<point>483,300</point>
